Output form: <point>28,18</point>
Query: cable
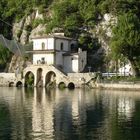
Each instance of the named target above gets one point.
<point>6,23</point>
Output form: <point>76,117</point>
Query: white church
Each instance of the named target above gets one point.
<point>59,51</point>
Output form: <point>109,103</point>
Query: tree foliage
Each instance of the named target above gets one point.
<point>126,39</point>
<point>78,17</point>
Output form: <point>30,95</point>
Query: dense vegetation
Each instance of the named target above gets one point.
<point>78,18</point>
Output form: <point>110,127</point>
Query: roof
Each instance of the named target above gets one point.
<point>53,36</point>
<point>41,51</point>
<point>69,54</point>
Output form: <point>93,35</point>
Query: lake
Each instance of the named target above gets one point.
<point>79,114</point>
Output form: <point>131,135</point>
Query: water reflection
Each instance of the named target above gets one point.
<point>40,114</point>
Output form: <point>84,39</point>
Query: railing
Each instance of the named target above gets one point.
<point>109,74</point>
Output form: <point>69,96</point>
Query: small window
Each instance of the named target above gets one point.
<point>43,46</point>
<point>43,60</point>
<point>61,46</point>
<point>72,47</point>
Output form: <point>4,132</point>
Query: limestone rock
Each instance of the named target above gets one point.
<point>23,30</point>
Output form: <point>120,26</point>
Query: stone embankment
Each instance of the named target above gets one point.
<point>119,86</point>
<point>7,78</point>
<point>78,79</point>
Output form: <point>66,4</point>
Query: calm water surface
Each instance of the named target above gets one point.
<point>80,114</point>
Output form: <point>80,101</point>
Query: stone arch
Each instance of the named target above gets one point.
<point>71,85</point>
<point>29,79</point>
<point>50,79</point>
<point>61,85</point>
<point>11,84</point>
<point>19,84</point>
<point>39,80</point>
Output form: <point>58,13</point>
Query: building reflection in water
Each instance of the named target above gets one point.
<point>42,114</point>
<point>125,107</point>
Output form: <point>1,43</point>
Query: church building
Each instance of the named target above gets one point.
<point>59,51</point>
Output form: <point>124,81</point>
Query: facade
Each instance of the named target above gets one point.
<point>59,51</point>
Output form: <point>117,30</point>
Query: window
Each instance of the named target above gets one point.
<point>43,60</point>
<point>61,46</point>
<point>43,46</point>
<point>73,48</point>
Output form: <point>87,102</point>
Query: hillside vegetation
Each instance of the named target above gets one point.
<point>78,18</point>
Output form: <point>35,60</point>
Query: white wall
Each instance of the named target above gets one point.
<point>49,58</point>
<point>50,43</point>
<point>75,65</point>
<point>59,58</point>
<point>71,64</point>
<point>65,44</point>
<point>67,64</point>
<point>37,43</point>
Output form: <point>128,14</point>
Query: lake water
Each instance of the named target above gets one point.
<point>80,114</point>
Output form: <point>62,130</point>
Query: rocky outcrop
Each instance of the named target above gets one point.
<point>104,30</point>
<point>17,64</point>
<point>24,30</point>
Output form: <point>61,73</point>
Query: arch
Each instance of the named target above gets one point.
<point>39,82</point>
<point>71,85</point>
<point>11,84</point>
<point>29,79</point>
<point>61,85</point>
<point>19,84</point>
<point>50,79</point>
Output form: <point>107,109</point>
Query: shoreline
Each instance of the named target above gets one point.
<point>126,86</point>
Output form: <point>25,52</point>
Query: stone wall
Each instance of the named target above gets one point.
<point>123,86</point>
<point>7,78</point>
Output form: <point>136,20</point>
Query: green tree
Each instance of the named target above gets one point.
<point>88,11</point>
<point>5,56</point>
<point>126,40</point>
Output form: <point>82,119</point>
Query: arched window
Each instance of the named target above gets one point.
<point>43,46</point>
<point>61,46</point>
<point>73,48</point>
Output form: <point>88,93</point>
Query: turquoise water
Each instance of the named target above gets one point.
<point>80,114</point>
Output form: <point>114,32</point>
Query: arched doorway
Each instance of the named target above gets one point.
<point>39,82</point>
<point>29,79</point>
<point>19,84</point>
<point>71,85</point>
<point>11,84</point>
<point>50,79</point>
<point>61,85</point>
